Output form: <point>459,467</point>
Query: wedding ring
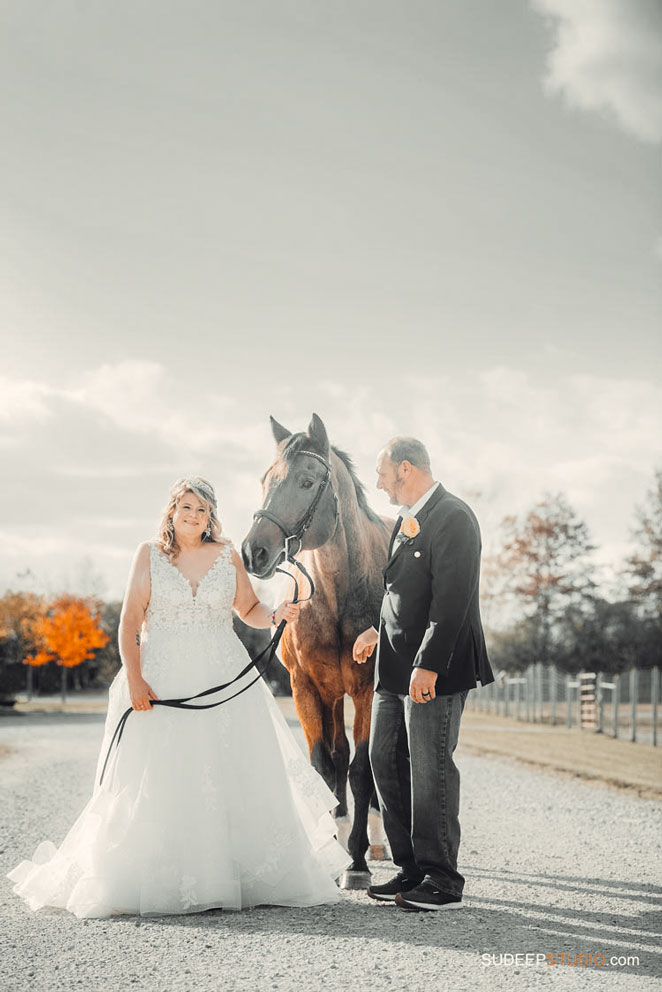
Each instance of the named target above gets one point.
<point>426,695</point>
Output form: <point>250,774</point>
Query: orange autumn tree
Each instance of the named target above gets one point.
<point>70,633</point>
<point>20,613</point>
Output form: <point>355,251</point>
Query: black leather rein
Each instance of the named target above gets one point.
<point>186,702</point>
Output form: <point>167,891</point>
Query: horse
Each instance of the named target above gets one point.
<point>311,492</point>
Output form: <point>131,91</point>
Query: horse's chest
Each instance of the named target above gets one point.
<point>315,631</point>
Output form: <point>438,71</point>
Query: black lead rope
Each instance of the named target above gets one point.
<point>186,702</point>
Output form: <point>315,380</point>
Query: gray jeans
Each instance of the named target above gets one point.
<point>418,783</point>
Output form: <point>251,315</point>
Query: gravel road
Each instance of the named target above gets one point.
<point>553,867</point>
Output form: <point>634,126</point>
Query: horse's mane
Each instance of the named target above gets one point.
<point>299,441</point>
<point>358,485</point>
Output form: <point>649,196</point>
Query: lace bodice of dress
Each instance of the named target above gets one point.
<point>173,605</point>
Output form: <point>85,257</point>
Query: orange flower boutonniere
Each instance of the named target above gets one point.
<point>410,527</point>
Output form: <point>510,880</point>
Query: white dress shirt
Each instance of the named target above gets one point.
<point>411,511</point>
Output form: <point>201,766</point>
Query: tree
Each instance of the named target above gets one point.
<point>107,661</point>
<point>546,568</point>
<point>610,637</point>
<point>71,633</point>
<point>513,649</point>
<point>20,613</point>
<point>644,566</point>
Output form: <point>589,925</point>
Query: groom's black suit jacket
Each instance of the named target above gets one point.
<point>430,616</point>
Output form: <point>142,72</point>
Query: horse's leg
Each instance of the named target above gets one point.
<point>379,849</point>
<point>362,786</point>
<point>334,732</point>
<point>310,711</point>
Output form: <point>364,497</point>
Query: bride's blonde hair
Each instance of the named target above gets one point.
<point>205,492</point>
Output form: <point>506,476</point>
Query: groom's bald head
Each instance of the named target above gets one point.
<point>408,449</point>
<point>403,470</point>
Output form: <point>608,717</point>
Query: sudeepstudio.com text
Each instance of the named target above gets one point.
<point>592,959</point>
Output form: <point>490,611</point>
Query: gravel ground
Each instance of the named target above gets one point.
<point>553,867</point>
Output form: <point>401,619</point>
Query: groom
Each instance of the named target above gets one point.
<point>431,651</point>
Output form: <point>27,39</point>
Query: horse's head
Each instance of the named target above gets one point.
<point>298,499</point>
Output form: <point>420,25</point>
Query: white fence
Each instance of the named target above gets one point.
<point>625,706</point>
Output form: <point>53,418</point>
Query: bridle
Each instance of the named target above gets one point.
<point>297,531</point>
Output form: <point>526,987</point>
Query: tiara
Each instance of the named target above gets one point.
<point>196,483</point>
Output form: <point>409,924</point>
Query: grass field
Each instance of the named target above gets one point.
<point>53,704</point>
<point>584,754</point>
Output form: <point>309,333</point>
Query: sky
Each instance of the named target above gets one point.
<point>417,217</point>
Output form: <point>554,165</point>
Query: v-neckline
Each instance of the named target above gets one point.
<point>194,592</point>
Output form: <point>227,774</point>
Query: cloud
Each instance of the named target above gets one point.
<point>22,399</point>
<point>607,57</point>
<point>140,396</point>
<point>92,463</point>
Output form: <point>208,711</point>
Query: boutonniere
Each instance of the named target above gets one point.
<point>410,527</point>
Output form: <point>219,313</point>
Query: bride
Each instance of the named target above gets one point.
<point>214,809</point>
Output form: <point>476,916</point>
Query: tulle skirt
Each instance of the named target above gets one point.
<point>214,809</point>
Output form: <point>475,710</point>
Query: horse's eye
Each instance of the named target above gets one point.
<point>306,484</point>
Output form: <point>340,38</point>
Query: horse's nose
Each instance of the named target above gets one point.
<point>246,554</point>
<point>255,558</point>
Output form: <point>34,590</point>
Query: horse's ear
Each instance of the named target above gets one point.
<point>317,433</point>
<point>279,432</point>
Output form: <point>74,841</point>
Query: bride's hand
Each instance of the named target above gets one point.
<point>287,611</point>
<point>141,693</point>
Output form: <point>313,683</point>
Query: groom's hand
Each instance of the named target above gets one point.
<point>364,645</point>
<point>422,685</point>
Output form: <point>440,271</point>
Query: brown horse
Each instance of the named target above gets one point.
<point>344,549</point>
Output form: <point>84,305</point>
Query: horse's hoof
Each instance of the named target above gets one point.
<point>378,852</point>
<point>354,879</point>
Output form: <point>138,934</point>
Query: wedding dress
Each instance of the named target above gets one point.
<point>214,809</point>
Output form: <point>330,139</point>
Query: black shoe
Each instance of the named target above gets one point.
<point>426,895</point>
<point>389,890</point>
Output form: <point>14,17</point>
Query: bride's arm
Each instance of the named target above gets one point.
<point>248,606</point>
<point>134,607</point>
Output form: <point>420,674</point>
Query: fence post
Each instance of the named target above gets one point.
<point>568,684</point>
<point>506,697</point>
<point>634,693</point>
<point>579,699</point>
<point>552,695</point>
<point>528,689</point>
<point>588,702</point>
<point>655,696</point>
<point>617,698</point>
<point>599,702</point>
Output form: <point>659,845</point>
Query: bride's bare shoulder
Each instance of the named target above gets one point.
<point>140,565</point>
<point>143,551</point>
